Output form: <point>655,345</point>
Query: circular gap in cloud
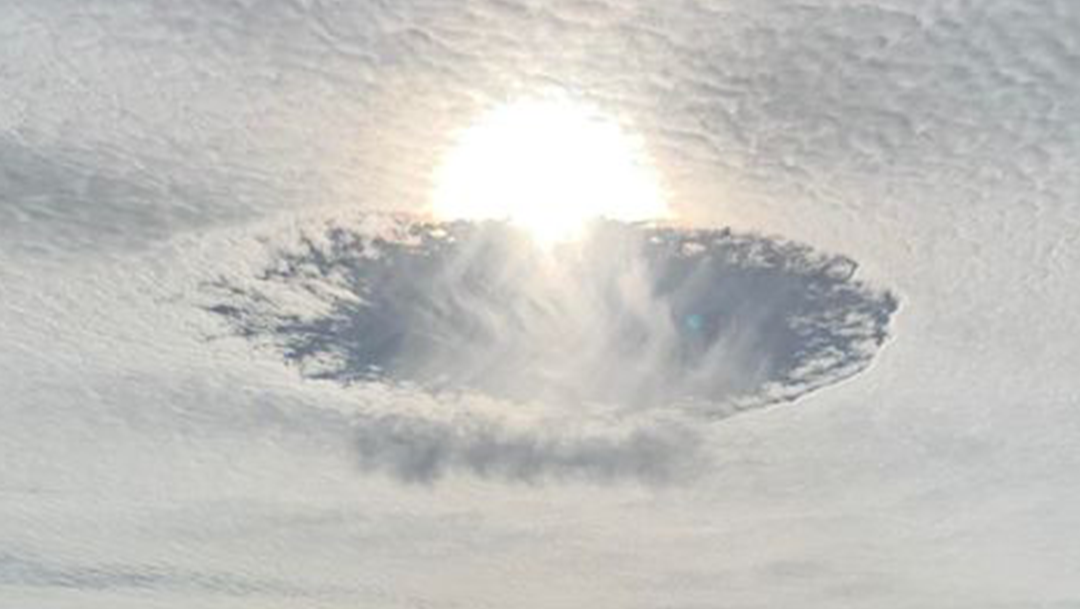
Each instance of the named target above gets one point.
<point>632,317</point>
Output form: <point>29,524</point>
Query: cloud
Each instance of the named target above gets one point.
<point>935,142</point>
<point>62,200</point>
<point>425,450</point>
<point>16,570</point>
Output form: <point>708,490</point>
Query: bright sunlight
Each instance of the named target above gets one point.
<point>549,166</point>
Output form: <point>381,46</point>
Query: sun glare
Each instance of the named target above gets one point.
<point>549,166</point>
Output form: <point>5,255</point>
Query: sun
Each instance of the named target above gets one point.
<point>549,165</point>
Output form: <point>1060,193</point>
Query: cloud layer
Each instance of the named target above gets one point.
<point>142,141</point>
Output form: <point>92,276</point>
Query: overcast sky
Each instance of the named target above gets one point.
<point>878,210</point>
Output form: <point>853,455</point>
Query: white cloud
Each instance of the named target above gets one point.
<point>143,144</point>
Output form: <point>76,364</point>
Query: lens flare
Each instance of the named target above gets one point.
<point>549,166</point>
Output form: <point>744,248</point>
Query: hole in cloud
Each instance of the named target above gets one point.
<point>631,316</point>
<point>630,319</point>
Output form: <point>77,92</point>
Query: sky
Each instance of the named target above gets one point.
<point>242,366</point>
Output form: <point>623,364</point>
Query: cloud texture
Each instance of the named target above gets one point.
<point>146,146</point>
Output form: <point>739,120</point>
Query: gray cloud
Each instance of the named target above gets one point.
<point>16,570</point>
<point>56,199</point>
<point>424,450</point>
